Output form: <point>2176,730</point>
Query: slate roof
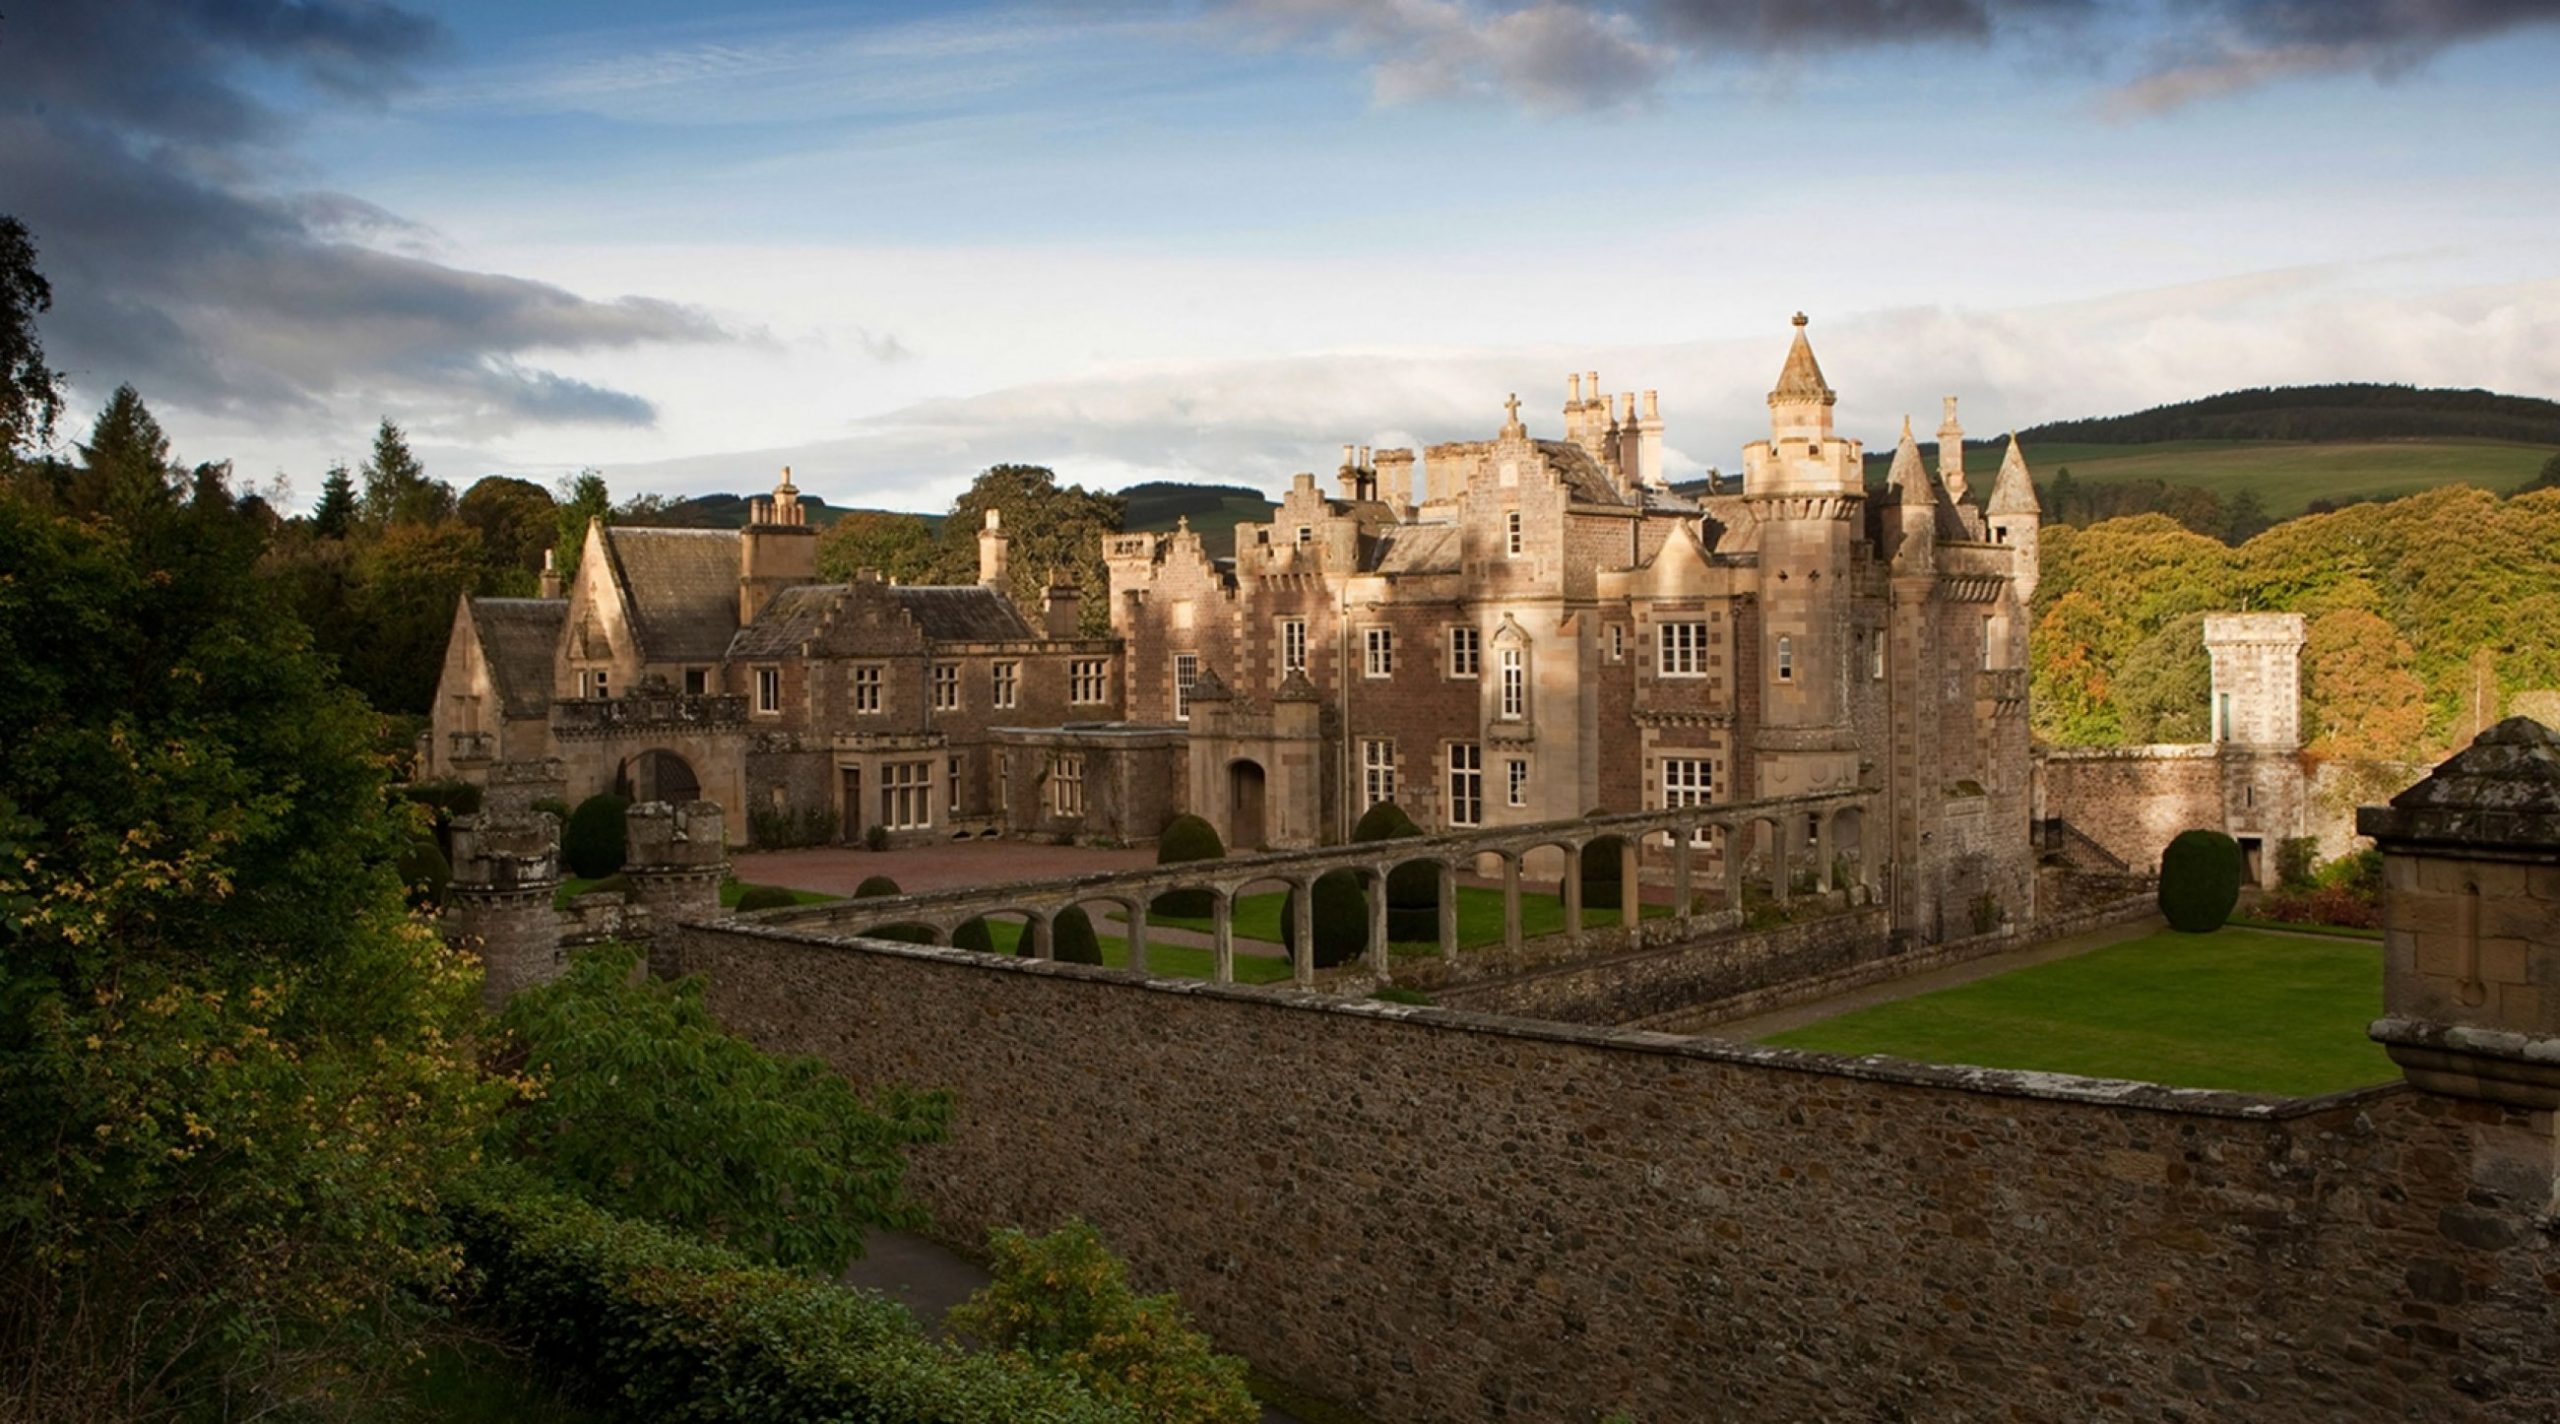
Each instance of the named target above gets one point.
<point>683,586</point>
<point>519,639</point>
<point>1581,474</point>
<point>971,614</point>
<point>788,622</point>
<point>1419,549</point>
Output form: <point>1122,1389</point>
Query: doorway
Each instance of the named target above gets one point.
<point>1245,802</point>
<point>852,804</point>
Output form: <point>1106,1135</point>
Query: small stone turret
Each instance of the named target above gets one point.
<point>550,585</point>
<point>2017,520</point>
<point>1913,512</point>
<point>498,904</point>
<point>675,856</point>
<point>2471,919</point>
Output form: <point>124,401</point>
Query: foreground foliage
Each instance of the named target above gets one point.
<point>1064,1300</point>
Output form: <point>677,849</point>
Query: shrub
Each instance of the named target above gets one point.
<point>1399,994</point>
<point>974,934</point>
<point>764,897</point>
<point>1385,821</point>
<point>554,807</point>
<point>875,837</point>
<point>651,1325</point>
<point>447,799</point>
<point>2295,857</point>
<point>1187,839</point>
<point>1064,1300</point>
<point>1413,888</point>
<point>2359,875</point>
<point>425,874</point>
<point>1341,917</point>
<point>594,843</point>
<point>1071,937</point>
<point>2325,905</point>
<point>782,830</point>
<point>875,887</point>
<point>2199,881</point>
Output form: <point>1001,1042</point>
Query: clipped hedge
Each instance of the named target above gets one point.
<point>1413,888</point>
<point>1071,937</point>
<point>646,1324</point>
<point>2199,881</point>
<point>1603,887</point>
<point>764,897</point>
<point>596,840</point>
<point>1341,917</point>
<point>974,934</point>
<point>1187,839</point>
<point>874,887</point>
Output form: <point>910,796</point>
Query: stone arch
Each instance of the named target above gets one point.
<point>657,774</point>
<point>1248,805</point>
<point>1010,929</point>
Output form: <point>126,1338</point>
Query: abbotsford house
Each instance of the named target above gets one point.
<point>1497,632</point>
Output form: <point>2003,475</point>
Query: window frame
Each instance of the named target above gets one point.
<point>1786,655</point>
<point>768,681</point>
<point>1466,652</point>
<point>906,795</point>
<point>1377,770</point>
<point>1516,777</point>
<point>1004,683</point>
<point>1465,764</point>
<point>1088,673</point>
<point>1512,703</point>
<point>1186,676</point>
<point>946,687</point>
<point>870,690</point>
<point>1514,539</point>
<point>1293,659</point>
<point>1680,647</point>
<point>1378,647</point>
<point>1066,784</point>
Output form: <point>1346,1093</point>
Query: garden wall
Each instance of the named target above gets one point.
<point>1441,1215</point>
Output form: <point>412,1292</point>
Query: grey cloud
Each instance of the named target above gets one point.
<point>140,160</point>
<point>1599,54</point>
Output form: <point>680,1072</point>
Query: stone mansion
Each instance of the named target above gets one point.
<point>1502,631</point>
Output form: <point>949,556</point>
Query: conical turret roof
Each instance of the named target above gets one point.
<point>1800,380</point>
<point>2015,491</point>
<point>1908,475</point>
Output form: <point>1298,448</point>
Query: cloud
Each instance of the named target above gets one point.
<point>139,150</point>
<point>1554,55</point>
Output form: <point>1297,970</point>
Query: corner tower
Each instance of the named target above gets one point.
<point>1807,495</point>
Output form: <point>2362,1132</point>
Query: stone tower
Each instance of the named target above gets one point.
<point>2257,679</point>
<point>1807,492</point>
<point>2016,519</point>
<point>777,549</point>
<point>498,905</point>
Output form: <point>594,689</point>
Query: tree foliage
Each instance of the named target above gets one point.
<point>1188,839</point>
<point>900,547</point>
<point>397,489</point>
<point>516,523</point>
<point>596,840</point>
<point>643,1105</point>
<point>30,391</point>
<point>1065,1301</point>
<point>236,1072</point>
<point>335,515</point>
<point>583,501</point>
<point>124,472</point>
<point>1052,529</point>
<point>2200,875</point>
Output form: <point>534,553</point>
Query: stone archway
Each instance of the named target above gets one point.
<point>1246,801</point>
<point>657,775</point>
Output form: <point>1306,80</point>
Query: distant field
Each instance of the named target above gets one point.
<point>2241,1009</point>
<point>2286,474</point>
<point>1214,521</point>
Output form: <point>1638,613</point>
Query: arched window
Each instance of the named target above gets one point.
<point>1786,659</point>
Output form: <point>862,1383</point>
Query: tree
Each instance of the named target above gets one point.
<point>2359,695</point>
<point>407,583</point>
<point>899,546</point>
<point>30,391</point>
<point>2162,686</point>
<point>396,487</point>
<point>335,515</point>
<point>517,524</point>
<point>1052,529</point>
<point>236,1070</point>
<point>2550,476</point>
<point>583,501</point>
<point>124,472</point>
<point>2200,876</point>
<point>649,1109</point>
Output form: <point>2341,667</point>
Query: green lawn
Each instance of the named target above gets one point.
<point>1174,961</point>
<point>2246,1010</point>
<point>1479,918</point>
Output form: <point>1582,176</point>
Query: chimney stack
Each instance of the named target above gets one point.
<point>1062,612</point>
<point>992,541</point>
<point>550,576</point>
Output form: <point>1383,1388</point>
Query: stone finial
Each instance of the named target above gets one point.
<point>1800,380</point>
<point>1511,426</point>
<point>1802,319</point>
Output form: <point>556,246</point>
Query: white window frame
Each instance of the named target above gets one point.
<point>1377,770</point>
<point>1306,535</point>
<point>1293,645</point>
<point>868,698</point>
<point>595,682</point>
<point>1617,642</point>
<point>1517,775</point>
<point>1466,784</point>
<point>1380,647</point>
<point>1004,680</point>
<point>1515,684</point>
<point>1689,781</point>
<point>1680,648</point>
<point>1088,681</point>
<point>1186,676</point>
<point>906,795</point>
<point>1512,542</point>
<point>1066,784</point>
<point>768,691</point>
<point>1466,650</point>
<point>946,687</point>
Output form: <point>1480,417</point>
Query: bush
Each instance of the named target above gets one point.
<point>2199,881</point>
<point>2359,875</point>
<point>2295,856</point>
<point>875,837</point>
<point>876,887</point>
<point>1602,884</point>
<point>1399,994</point>
<point>783,830</point>
<point>1413,888</point>
<point>764,897</point>
<point>425,874</point>
<point>1071,937</point>
<point>447,799</point>
<point>2326,905</point>
<point>974,934</point>
<point>553,806</point>
<point>1385,821</point>
<point>595,842</point>
<point>1064,1300</point>
<point>1341,919</point>
<point>1187,839</point>
<point>646,1324</point>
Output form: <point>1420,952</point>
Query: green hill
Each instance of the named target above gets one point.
<point>2352,411</point>
<point>2286,476</point>
<point>1214,510</point>
<point>729,511</point>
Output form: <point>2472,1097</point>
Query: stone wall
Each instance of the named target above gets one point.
<point>1442,1215</point>
<point>1621,988</point>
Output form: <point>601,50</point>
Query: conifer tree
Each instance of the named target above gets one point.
<point>336,512</point>
<point>396,487</point>
<point>124,464</point>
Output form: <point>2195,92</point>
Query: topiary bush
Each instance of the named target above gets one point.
<point>2199,881</point>
<point>1341,917</point>
<point>1071,938</point>
<point>1385,821</point>
<point>875,838</point>
<point>1413,888</point>
<point>902,934</point>
<point>1187,839</point>
<point>594,843</point>
<point>764,897</point>
<point>1603,887</point>
<point>974,934</point>
<point>875,887</point>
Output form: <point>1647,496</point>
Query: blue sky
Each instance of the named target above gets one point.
<point>889,245</point>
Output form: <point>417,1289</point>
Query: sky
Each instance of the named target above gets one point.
<point>889,245</point>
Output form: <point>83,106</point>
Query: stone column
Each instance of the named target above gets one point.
<point>675,858</point>
<point>1036,940</point>
<point>1378,923</point>
<point>1222,938</point>
<point>1511,902</point>
<point>1630,882</point>
<point>1138,933</point>
<point>1573,891</point>
<point>2471,921</point>
<point>1302,918</point>
<point>498,905</point>
<point>1448,913</point>
<point>1682,835</point>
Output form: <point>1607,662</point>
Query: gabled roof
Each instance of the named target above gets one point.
<point>797,616</point>
<point>1580,473</point>
<point>789,620</point>
<point>519,638</point>
<point>683,587</point>
<point>966,614</point>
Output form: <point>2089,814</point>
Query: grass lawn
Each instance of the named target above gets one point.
<point>1479,918</point>
<point>2246,1010</point>
<point>1173,961</point>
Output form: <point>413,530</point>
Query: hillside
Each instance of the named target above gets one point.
<point>2286,476</point>
<point>2344,412</point>
<point>729,511</point>
<point>1214,510</point>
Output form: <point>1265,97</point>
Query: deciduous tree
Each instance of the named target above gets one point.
<point>900,546</point>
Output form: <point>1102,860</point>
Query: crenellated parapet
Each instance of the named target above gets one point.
<point>498,904</point>
<point>675,856</point>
